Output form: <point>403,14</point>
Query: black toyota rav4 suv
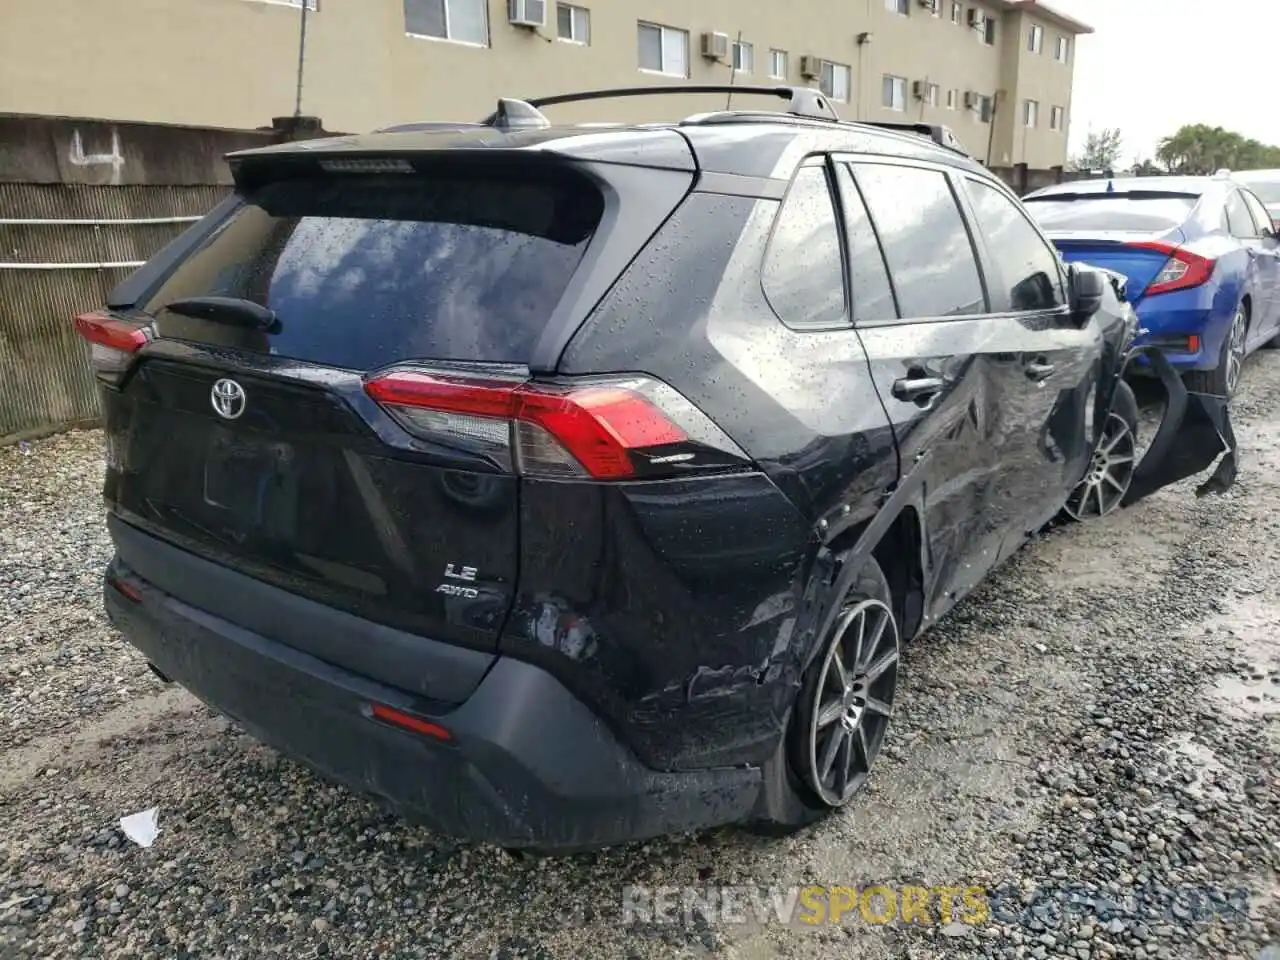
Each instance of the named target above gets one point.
<point>564,486</point>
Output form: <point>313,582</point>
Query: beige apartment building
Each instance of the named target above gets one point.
<point>998,72</point>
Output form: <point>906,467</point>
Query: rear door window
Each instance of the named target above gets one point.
<point>926,244</point>
<point>1124,212</point>
<point>1031,279</point>
<point>363,271</point>
<point>872,293</point>
<point>1239,220</point>
<point>803,272</point>
<point>1261,218</point>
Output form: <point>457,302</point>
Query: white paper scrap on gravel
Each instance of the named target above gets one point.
<point>142,827</point>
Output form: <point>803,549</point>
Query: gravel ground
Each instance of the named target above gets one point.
<point>1092,738</point>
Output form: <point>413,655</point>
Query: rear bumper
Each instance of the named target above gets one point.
<point>1170,320</point>
<point>528,764</point>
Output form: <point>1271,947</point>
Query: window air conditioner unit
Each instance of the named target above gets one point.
<point>810,67</point>
<point>527,13</point>
<point>715,46</point>
<point>970,100</point>
<point>976,17</point>
<point>917,89</point>
<point>930,5</point>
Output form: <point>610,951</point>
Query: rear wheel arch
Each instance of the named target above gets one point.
<point>900,554</point>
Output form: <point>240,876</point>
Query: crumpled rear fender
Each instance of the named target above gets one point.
<point>1195,432</point>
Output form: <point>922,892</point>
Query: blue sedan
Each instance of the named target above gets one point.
<point>1201,254</point>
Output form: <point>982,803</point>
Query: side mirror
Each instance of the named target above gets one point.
<point>1087,290</point>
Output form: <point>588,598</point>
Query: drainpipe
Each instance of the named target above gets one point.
<point>991,133</point>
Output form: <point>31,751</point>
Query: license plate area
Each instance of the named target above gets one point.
<point>252,485</point>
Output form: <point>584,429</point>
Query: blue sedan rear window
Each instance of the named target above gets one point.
<point>1111,211</point>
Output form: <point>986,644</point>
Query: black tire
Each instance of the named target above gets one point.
<point>789,802</point>
<point>1221,381</point>
<point>1124,405</point>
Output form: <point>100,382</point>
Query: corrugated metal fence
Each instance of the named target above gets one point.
<point>62,248</point>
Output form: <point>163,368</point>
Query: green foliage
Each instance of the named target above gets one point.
<point>1198,148</point>
<point>1101,150</point>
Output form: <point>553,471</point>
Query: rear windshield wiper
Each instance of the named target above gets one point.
<point>232,311</point>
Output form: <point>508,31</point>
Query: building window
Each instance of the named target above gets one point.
<point>744,57</point>
<point>901,7</point>
<point>664,50</point>
<point>988,30</point>
<point>957,12</point>
<point>834,81</point>
<point>931,94</point>
<point>778,64</point>
<point>463,21</point>
<point>1030,113</point>
<point>935,7</point>
<point>573,24</point>
<point>951,99</point>
<point>1035,39</point>
<point>982,106</point>
<point>1056,117</point>
<point>1062,50</point>
<point>894,93</point>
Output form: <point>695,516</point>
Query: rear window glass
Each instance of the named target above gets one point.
<point>1111,211</point>
<point>365,271</point>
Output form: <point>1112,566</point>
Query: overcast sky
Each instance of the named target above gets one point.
<point>1153,65</point>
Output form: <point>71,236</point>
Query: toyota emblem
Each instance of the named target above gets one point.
<point>228,399</point>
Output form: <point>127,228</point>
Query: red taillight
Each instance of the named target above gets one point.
<point>1181,271</point>
<point>606,430</point>
<point>407,721</point>
<point>112,342</point>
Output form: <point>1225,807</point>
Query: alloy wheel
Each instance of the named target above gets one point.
<point>853,701</point>
<point>1236,348</point>
<point>1110,472</point>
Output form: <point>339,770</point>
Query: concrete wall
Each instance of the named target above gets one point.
<point>81,203</point>
<point>231,63</point>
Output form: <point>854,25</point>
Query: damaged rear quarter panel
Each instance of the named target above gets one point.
<point>680,630</point>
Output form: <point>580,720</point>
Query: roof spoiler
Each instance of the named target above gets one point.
<point>801,101</point>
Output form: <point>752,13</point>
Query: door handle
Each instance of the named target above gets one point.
<point>1039,370</point>
<point>918,389</point>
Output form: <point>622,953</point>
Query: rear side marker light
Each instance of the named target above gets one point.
<point>407,721</point>
<point>604,429</point>
<point>1182,271</point>
<point>112,342</point>
<point>1177,343</point>
<point>126,590</point>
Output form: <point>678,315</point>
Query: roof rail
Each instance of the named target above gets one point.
<point>801,101</point>
<point>936,132</point>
